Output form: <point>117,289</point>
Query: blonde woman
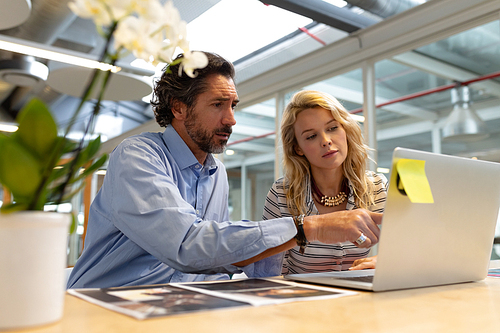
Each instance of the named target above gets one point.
<point>325,171</point>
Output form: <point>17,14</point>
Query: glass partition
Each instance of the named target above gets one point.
<point>249,160</point>
<point>425,78</point>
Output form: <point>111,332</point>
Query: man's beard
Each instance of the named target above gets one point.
<point>205,140</point>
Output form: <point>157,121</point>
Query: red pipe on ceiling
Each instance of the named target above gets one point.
<point>432,91</point>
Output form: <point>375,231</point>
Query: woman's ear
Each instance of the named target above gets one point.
<point>179,110</point>
<point>298,150</point>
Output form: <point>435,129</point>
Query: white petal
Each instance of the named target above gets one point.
<point>192,61</point>
<point>198,59</point>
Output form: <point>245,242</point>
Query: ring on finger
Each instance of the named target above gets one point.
<point>361,239</point>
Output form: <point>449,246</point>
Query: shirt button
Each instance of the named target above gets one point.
<point>197,212</point>
<point>197,166</point>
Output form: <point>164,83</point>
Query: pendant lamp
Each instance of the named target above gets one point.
<point>463,124</point>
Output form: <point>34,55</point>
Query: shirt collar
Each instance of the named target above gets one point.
<point>181,152</point>
<point>211,164</point>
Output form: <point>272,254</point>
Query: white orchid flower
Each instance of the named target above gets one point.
<point>171,15</point>
<point>148,9</point>
<point>136,35</point>
<point>103,12</point>
<point>92,9</point>
<point>150,30</point>
<point>168,49</point>
<point>119,10</point>
<point>191,62</point>
<point>183,44</point>
<point>165,54</point>
<point>174,35</point>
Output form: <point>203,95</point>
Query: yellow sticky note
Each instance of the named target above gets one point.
<point>414,181</point>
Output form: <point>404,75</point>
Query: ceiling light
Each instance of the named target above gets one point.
<point>463,124</point>
<point>56,56</point>
<point>229,152</point>
<point>8,128</point>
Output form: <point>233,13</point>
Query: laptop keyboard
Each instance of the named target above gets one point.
<point>366,278</point>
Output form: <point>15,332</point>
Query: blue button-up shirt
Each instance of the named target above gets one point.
<point>160,216</point>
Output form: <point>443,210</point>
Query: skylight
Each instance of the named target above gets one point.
<point>233,29</point>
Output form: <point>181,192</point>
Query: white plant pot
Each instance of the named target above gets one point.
<point>33,251</point>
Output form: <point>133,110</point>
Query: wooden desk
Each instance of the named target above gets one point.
<point>468,307</point>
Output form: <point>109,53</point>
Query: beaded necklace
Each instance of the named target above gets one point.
<point>326,200</point>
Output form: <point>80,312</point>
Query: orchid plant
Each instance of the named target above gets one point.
<point>38,166</point>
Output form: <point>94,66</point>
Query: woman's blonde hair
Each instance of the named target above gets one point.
<point>297,168</point>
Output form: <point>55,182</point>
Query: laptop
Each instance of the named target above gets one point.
<point>438,227</point>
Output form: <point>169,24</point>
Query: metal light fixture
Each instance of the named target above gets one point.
<point>463,124</point>
<point>23,71</point>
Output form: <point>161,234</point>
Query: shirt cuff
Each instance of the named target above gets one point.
<point>278,231</point>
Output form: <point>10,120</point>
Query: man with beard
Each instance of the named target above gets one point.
<point>161,214</point>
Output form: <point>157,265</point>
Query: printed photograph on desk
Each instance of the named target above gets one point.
<point>262,291</point>
<point>144,302</point>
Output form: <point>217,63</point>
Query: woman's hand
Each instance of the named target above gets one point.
<point>365,263</point>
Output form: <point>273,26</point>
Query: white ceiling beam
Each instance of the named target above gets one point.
<point>260,110</point>
<point>444,70</point>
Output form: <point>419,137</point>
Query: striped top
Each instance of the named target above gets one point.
<point>320,257</point>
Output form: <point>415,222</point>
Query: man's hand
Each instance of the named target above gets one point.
<point>343,226</point>
<point>365,263</point>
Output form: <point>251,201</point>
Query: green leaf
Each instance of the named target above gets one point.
<point>61,172</point>
<point>53,157</point>
<point>94,167</point>
<point>3,138</point>
<point>13,207</point>
<point>74,192</point>
<point>37,128</point>
<point>93,147</point>
<point>20,171</point>
<point>69,146</point>
<point>89,152</point>
<point>74,224</point>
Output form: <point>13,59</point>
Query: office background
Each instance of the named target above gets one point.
<point>401,66</point>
